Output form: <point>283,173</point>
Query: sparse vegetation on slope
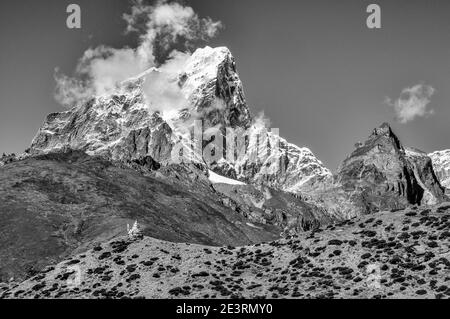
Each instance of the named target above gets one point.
<point>402,254</point>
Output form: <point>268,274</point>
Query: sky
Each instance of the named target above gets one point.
<point>315,69</point>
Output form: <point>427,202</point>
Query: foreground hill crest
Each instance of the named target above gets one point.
<point>334,262</point>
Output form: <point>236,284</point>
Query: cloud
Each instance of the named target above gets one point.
<point>167,33</point>
<point>69,91</point>
<point>106,67</point>
<point>162,89</point>
<point>413,102</point>
<point>261,121</point>
<point>167,25</point>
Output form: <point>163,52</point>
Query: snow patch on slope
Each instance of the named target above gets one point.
<point>218,179</point>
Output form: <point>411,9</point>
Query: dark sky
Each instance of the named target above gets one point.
<point>313,66</point>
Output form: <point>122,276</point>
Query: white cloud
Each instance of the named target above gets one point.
<point>70,91</point>
<point>413,102</point>
<point>166,24</point>
<point>261,121</point>
<point>164,29</point>
<point>106,67</point>
<point>161,88</point>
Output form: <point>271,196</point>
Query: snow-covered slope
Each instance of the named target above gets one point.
<point>441,164</point>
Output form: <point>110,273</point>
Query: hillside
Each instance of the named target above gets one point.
<point>402,254</point>
<point>56,204</point>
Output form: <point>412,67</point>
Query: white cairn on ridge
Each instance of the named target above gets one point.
<point>134,231</point>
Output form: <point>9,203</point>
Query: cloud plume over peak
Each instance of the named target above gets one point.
<point>167,32</point>
<point>167,25</point>
<point>412,103</point>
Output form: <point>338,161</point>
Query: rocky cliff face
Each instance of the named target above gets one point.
<point>122,127</point>
<point>118,127</point>
<point>270,160</point>
<point>383,175</point>
<point>441,165</point>
<point>265,205</point>
<point>214,90</point>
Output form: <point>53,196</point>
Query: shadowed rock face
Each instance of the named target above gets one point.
<point>426,177</point>
<point>381,174</point>
<point>292,213</point>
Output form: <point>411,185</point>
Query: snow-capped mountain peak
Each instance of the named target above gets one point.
<point>126,126</point>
